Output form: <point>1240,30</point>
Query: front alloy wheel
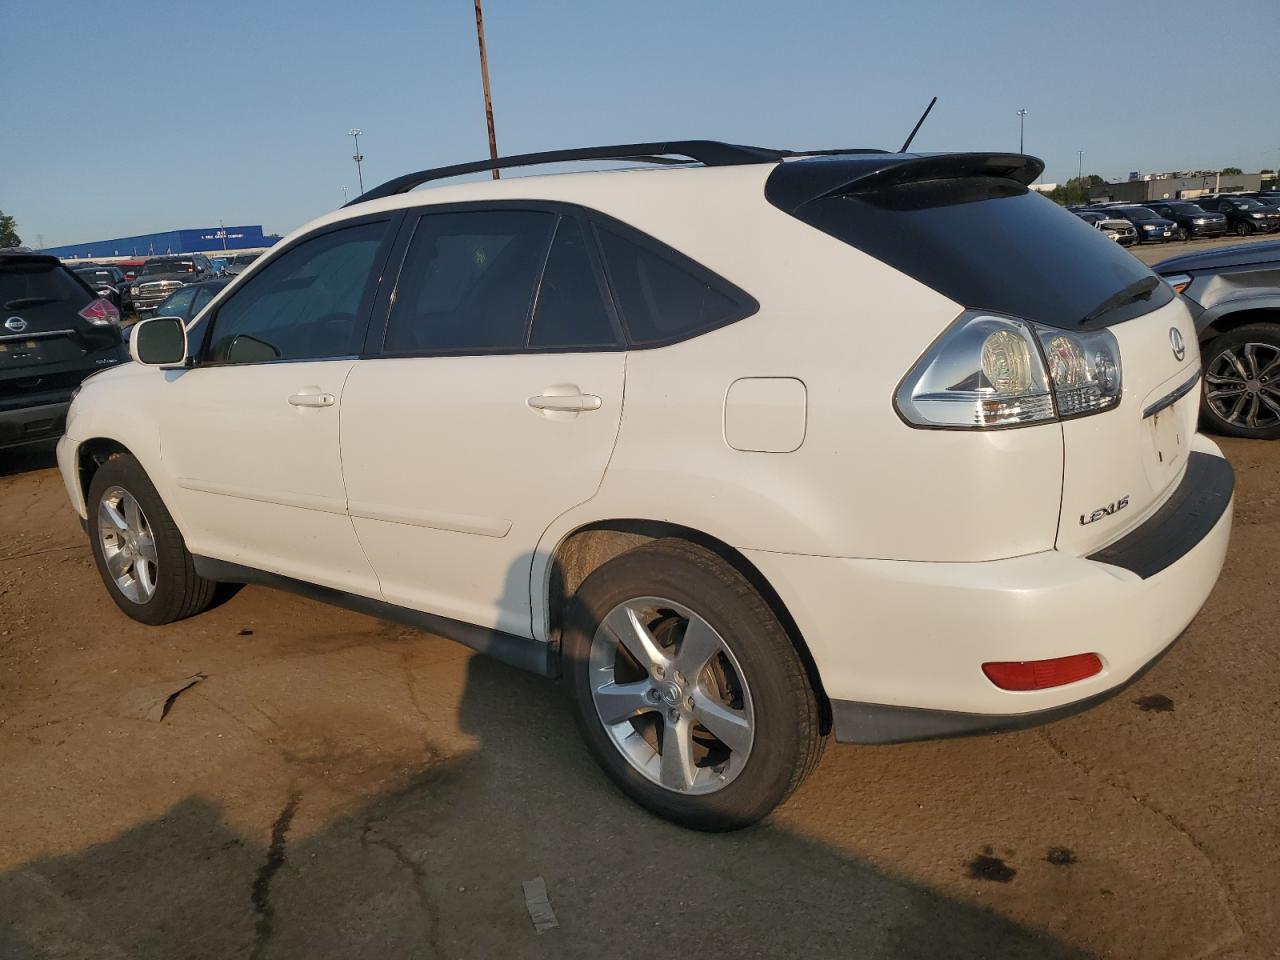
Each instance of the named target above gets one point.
<point>127,544</point>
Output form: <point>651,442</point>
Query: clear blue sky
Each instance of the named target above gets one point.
<point>130,116</point>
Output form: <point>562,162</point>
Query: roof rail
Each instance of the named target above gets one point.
<point>710,153</point>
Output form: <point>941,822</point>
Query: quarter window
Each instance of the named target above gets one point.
<point>304,305</point>
<point>660,298</point>
<point>467,282</point>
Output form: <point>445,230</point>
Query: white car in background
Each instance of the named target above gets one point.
<point>748,449</point>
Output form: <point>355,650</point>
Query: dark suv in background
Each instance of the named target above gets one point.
<point>1245,215</point>
<point>1193,221</point>
<point>160,276</point>
<point>1234,295</point>
<point>55,330</point>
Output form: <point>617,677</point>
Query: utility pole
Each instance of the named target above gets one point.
<point>1022,119</point>
<point>344,196</point>
<point>484,76</point>
<point>1080,164</point>
<point>354,133</point>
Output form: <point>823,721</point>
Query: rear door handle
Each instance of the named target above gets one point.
<point>313,400</point>
<point>574,403</point>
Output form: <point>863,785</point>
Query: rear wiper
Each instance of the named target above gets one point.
<point>1138,290</point>
<point>29,302</point>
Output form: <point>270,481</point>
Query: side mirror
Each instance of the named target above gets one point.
<point>159,342</point>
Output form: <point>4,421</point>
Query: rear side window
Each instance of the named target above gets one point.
<point>36,283</point>
<point>467,282</point>
<point>305,304</point>
<point>990,244</point>
<point>570,310</point>
<point>664,296</point>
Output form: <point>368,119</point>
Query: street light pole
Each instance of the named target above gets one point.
<point>354,133</point>
<point>1022,119</point>
<point>484,76</point>
<point>1080,167</point>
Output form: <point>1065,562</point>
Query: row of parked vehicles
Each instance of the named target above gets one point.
<point>1159,221</point>
<point>141,286</point>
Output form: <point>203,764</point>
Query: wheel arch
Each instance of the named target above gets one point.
<point>91,454</point>
<point>1233,315</point>
<point>590,545</point>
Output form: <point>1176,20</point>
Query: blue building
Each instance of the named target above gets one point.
<point>199,240</point>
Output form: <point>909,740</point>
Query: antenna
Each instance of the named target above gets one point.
<point>919,123</point>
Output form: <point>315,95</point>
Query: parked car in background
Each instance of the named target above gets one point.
<point>1115,228</point>
<point>131,267</point>
<point>55,330</point>
<point>716,578</point>
<point>160,276</point>
<point>107,280</point>
<point>1234,295</point>
<point>237,264</point>
<point>186,304</point>
<point>1245,215</point>
<point>1151,227</point>
<point>1193,222</point>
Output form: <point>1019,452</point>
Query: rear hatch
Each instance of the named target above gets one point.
<point>968,226</point>
<point>45,344</point>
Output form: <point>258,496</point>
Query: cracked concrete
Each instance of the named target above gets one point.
<point>431,783</point>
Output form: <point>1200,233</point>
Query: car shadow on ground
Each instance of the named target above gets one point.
<point>433,867</point>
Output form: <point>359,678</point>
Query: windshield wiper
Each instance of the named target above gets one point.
<point>29,302</point>
<point>1138,290</point>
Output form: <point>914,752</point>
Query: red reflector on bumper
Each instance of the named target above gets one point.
<point>1040,674</point>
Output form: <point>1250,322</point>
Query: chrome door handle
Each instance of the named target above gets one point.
<point>574,403</point>
<point>313,400</point>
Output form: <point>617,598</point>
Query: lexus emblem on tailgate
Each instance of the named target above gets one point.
<point>16,324</point>
<point>1175,340</point>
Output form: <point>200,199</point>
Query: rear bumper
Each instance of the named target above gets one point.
<point>900,645</point>
<point>22,426</point>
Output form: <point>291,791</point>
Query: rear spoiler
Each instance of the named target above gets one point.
<point>794,183</point>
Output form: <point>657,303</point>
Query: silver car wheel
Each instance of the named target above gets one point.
<point>1242,385</point>
<point>128,546</point>
<point>671,695</point>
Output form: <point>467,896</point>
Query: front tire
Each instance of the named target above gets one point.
<point>1184,234</point>
<point>1241,395</point>
<point>140,555</point>
<point>1243,229</point>
<point>687,689</point>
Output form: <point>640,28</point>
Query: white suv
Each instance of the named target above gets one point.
<point>748,449</point>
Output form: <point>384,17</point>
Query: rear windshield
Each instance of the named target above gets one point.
<point>990,244</point>
<point>33,284</point>
<point>168,266</point>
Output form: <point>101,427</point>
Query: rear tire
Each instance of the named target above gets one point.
<point>715,750</point>
<point>140,555</point>
<point>1241,395</point>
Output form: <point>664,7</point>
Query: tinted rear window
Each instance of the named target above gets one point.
<point>989,244</point>
<point>31,284</point>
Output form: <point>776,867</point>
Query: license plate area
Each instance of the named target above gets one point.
<point>1169,440</point>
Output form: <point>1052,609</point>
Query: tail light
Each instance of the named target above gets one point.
<point>101,313</point>
<point>990,371</point>
<point>1042,674</point>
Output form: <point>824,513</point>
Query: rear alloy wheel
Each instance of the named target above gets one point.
<point>687,689</point>
<point>1242,382</point>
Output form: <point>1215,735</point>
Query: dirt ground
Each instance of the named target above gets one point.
<point>1153,253</point>
<point>336,787</point>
